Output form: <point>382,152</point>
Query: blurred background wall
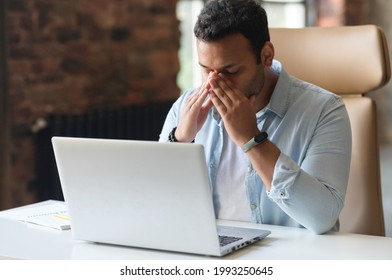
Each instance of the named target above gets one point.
<point>77,56</point>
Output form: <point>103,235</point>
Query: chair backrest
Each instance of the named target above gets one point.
<point>349,61</point>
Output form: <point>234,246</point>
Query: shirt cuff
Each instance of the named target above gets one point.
<point>285,174</point>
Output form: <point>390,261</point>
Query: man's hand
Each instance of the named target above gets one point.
<point>236,109</point>
<point>194,114</point>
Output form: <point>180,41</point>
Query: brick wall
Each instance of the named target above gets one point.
<point>330,12</point>
<point>79,55</point>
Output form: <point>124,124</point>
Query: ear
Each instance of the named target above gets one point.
<point>267,54</point>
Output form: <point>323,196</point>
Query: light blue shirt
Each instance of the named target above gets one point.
<point>311,128</point>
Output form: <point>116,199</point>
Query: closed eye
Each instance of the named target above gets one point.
<point>232,72</point>
<point>230,69</point>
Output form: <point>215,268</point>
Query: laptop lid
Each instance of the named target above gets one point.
<point>138,193</point>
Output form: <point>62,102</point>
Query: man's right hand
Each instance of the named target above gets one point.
<point>194,114</point>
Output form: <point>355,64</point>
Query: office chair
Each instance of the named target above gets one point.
<point>349,61</point>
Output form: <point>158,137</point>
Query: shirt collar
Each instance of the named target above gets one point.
<point>279,101</point>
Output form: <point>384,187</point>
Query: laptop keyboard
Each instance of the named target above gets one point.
<point>224,240</point>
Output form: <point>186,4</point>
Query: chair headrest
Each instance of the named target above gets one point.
<point>345,59</point>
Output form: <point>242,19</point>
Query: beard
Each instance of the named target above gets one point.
<point>255,85</point>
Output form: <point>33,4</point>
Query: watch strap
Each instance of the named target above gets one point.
<point>172,137</point>
<point>258,139</point>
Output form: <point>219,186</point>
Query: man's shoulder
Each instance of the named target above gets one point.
<point>294,89</point>
<point>312,92</point>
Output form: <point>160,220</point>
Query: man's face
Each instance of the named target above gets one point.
<point>232,56</point>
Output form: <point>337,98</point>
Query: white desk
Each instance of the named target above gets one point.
<point>21,240</point>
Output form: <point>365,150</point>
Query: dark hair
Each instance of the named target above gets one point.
<point>220,18</point>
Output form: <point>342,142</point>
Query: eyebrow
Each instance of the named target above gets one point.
<point>230,65</point>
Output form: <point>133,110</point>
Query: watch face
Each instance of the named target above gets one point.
<point>261,137</point>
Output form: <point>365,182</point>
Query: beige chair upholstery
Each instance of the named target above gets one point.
<point>349,61</point>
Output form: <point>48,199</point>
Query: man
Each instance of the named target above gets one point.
<point>278,149</point>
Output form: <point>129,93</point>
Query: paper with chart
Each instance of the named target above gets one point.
<point>50,213</point>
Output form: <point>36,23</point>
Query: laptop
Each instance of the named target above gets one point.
<point>143,194</point>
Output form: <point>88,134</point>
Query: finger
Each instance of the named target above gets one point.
<point>201,98</point>
<point>227,81</point>
<point>222,109</point>
<point>227,86</point>
<point>196,95</point>
<point>207,105</point>
<point>252,100</point>
<point>221,91</point>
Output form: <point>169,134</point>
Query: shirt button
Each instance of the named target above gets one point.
<point>253,206</point>
<point>282,194</point>
<point>250,169</point>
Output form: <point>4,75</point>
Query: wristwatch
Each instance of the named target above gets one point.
<point>172,137</point>
<point>259,138</point>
